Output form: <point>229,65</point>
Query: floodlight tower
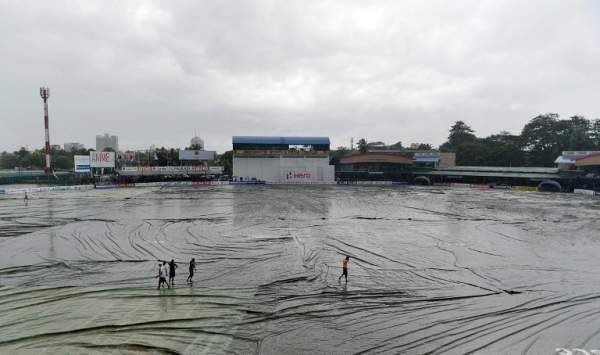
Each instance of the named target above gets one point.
<point>45,94</point>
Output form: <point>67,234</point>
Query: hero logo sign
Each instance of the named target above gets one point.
<point>102,159</point>
<point>298,175</point>
<point>301,175</point>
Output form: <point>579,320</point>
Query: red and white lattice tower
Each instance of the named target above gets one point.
<point>45,94</point>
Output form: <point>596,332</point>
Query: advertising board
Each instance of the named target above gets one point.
<point>81,163</point>
<point>126,156</point>
<point>173,169</point>
<point>196,155</point>
<point>102,159</point>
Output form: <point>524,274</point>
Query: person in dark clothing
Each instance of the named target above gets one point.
<point>192,269</point>
<point>172,267</point>
<point>344,269</point>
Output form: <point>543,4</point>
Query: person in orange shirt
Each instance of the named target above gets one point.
<point>344,268</point>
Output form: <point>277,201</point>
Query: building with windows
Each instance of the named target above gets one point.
<point>375,165</point>
<point>107,141</point>
<point>282,160</point>
<point>390,164</point>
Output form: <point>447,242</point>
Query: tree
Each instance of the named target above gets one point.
<point>577,133</point>
<point>173,156</point>
<point>595,133</point>
<point>546,136</point>
<point>362,145</point>
<point>8,160</point>
<point>80,151</point>
<point>335,155</point>
<point>460,133</point>
<point>226,160</point>
<point>424,146</point>
<point>63,162</point>
<point>162,157</point>
<point>22,153</point>
<point>505,150</point>
<point>472,153</point>
<point>541,139</point>
<point>34,160</point>
<point>108,149</point>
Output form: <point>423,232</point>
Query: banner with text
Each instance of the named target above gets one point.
<point>196,155</point>
<point>102,159</point>
<point>81,163</point>
<point>174,169</point>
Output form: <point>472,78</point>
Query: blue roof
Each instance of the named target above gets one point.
<point>281,140</point>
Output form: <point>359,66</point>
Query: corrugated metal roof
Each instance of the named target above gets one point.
<point>537,176</point>
<point>503,169</point>
<point>280,140</point>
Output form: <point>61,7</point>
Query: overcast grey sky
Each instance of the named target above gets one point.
<point>152,72</point>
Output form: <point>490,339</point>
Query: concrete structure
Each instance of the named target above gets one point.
<point>107,141</point>
<point>72,146</point>
<point>282,160</point>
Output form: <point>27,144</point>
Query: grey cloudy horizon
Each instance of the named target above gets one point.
<point>155,72</point>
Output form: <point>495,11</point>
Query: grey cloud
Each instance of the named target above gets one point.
<point>152,72</point>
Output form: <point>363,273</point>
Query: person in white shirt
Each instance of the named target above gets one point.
<point>163,274</point>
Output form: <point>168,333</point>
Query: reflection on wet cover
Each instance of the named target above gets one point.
<point>430,271</point>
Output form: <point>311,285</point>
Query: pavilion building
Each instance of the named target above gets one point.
<point>282,160</point>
